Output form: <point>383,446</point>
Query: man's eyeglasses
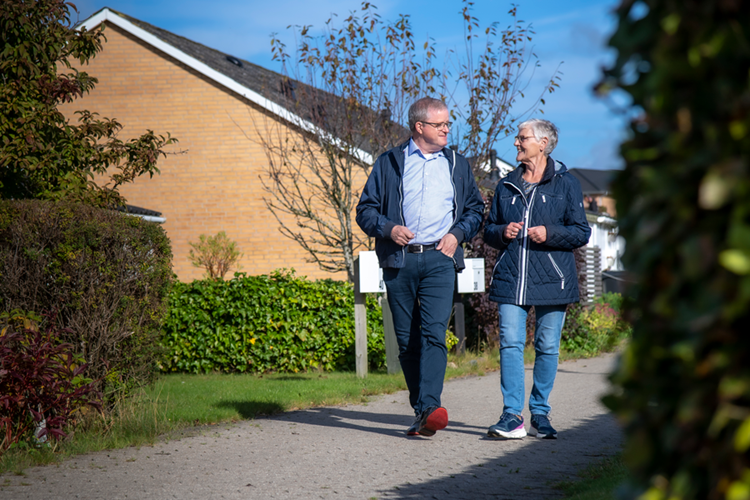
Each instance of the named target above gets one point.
<point>439,125</point>
<point>521,138</point>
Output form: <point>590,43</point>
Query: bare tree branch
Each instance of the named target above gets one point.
<point>352,87</point>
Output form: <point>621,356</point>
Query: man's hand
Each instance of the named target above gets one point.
<point>538,234</point>
<point>401,235</point>
<point>448,244</point>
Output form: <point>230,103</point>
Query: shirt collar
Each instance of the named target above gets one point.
<point>413,148</point>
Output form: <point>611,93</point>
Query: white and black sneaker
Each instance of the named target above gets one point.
<point>509,426</point>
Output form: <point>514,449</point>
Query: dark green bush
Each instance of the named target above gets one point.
<point>275,322</point>
<point>682,390</point>
<point>104,277</point>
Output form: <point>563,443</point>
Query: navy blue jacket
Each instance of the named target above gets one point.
<point>527,273</point>
<point>380,207</point>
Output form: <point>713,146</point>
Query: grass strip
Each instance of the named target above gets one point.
<point>177,402</point>
<point>599,481</point>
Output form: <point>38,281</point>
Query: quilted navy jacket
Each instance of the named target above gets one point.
<point>527,273</point>
<point>380,207</point>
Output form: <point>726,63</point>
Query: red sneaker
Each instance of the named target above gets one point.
<point>433,419</point>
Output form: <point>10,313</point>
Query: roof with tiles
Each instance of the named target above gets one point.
<point>271,90</point>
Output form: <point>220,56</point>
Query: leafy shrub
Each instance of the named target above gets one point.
<point>214,253</point>
<point>590,330</point>
<point>41,383</point>
<point>275,322</point>
<point>106,276</point>
<point>612,299</point>
<point>451,340</point>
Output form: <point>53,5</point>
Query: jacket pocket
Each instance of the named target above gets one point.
<point>549,208</point>
<point>558,271</point>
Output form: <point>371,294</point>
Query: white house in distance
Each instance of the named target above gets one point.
<point>601,216</point>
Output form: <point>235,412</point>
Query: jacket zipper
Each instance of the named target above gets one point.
<point>401,207</point>
<point>559,272</point>
<point>523,250</point>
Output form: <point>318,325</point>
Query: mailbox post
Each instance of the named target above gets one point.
<point>470,280</point>
<point>371,281</point>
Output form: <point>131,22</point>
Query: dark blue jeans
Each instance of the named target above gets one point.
<point>421,298</point>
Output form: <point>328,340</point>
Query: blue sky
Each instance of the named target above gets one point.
<point>571,32</point>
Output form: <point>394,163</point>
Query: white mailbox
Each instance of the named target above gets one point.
<point>370,274</point>
<point>471,279</point>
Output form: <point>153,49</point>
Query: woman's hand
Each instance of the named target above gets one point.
<point>512,230</point>
<point>538,234</point>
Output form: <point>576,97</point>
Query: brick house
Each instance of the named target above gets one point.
<point>212,103</point>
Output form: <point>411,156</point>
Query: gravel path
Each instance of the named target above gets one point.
<point>355,451</point>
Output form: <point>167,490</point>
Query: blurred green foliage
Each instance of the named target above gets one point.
<point>267,323</point>
<point>682,389</point>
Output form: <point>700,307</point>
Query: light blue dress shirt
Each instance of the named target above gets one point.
<point>428,195</point>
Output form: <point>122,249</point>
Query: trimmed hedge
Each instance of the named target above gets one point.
<point>258,324</point>
<point>102,277</point>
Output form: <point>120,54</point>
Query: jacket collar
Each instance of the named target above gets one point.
<point>553,168</point>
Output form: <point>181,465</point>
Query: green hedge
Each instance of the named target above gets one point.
<point>101,276</point>
<point>258,324</point>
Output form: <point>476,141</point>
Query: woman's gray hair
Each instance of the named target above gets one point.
<point>419,110</point>
<point>542,129</point>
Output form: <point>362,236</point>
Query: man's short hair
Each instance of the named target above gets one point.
<point>419,110</point>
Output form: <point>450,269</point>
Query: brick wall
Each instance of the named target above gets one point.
<point>214,185</point>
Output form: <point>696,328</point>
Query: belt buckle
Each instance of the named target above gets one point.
<point>420,248</point>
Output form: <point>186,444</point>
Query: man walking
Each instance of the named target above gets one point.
<point>420,203</point>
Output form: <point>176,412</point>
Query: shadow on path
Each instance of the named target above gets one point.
<point>528,472</point>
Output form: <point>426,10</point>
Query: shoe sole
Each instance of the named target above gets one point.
<point>519,433</point>
<point>435,421</point>
<point>539,435</point>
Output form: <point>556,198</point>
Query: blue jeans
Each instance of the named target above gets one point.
<point>549,323</point>
<point>421,298</point>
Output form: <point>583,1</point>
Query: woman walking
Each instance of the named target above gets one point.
<point>536,221</point>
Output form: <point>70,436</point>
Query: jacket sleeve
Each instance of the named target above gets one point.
<point>371,207</point>
<point>575,231</point>
<point>495,226</point>
<point>468,223</point>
